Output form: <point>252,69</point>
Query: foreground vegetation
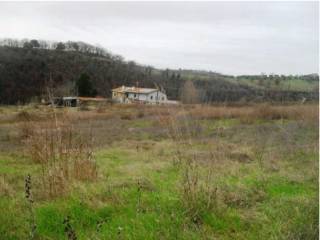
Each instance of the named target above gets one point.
<point>157,172</point>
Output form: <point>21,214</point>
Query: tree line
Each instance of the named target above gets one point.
<point>77,46</point>
<point>279,77</point>
<point>28,68</point>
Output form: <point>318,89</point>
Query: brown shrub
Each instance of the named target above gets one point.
<point>84,107</point>
<point>199,192</point>
<point>5,187</point>
<point>85,169</point>
<point>163,121</point>
<point>126,116</point>
<point>267,112</point>
<point>242,196</point>
<point>249,114</point>
<point>218,112</point>
<point>23,116</point>
<point>101,109</point>
<point>140,114</point>
<point>25,130</point>
<point>64,155</point>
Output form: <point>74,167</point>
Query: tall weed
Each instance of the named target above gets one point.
<point>63,153</point>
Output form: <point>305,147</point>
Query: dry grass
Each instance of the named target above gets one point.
<point>200,170</point>
<point>227,179</point>
<point>249,114</point>
<point>127,116</point>
<point>5,188</point>
<point>199,193</point>
<point>140,114</point>
<point>64,154</point>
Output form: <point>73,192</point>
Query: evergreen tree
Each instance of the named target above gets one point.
<point>60,46</point>
<point>85,87</point>
<point>34,43</point>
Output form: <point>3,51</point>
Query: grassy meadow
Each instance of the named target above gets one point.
<point>159,172</point>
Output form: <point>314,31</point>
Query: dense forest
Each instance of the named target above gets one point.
<point>29,69</point>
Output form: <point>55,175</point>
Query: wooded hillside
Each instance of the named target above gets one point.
<point>29,68</point>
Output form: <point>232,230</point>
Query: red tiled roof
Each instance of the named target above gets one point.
<point>124,89</point>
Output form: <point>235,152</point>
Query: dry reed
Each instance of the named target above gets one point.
<point>31,218</point>
<point>306,112</point>
<point>63,153</point>
<point>199,192</point>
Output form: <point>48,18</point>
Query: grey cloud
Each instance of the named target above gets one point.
<point>229,37</point>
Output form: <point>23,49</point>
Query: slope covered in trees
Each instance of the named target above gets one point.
<point>29,68</point>
<point>28,72</point>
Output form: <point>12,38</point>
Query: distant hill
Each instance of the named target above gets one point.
<point>28,68</point>
<point>29,72</point>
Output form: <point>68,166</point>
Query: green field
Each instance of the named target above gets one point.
<point>192,172</point>
<point>293,84</point>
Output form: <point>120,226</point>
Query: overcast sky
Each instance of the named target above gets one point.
<point>227,37</point>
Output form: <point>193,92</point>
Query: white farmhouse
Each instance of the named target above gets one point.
<point>142,95</point>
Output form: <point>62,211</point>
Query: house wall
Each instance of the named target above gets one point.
<point>118,97</point>
<point>138,96</point>
<point>154,97</point>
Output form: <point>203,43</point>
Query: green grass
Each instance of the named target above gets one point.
<point>213,125</point>
<point>291,85</point>
<point>141,123</point>
<point>138,193</point>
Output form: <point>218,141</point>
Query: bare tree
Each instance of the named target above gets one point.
<point>189,94</point>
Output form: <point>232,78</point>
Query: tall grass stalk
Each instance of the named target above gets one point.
<point>63,153</point>
<point>29,198</point>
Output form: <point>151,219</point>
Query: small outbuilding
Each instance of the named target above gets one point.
<point>65,101</point>
<point>75,101</point>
